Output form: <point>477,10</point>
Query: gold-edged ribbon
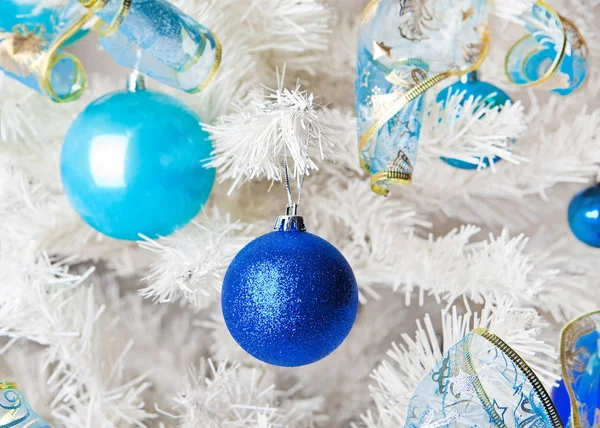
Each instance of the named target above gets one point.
<point>52,57</point>
<point>25,49</point>
<point>532,378</point>
<point>106,30</point>
<point>4,385</point>
<point>215,67</point>
<point>570,334</point>
<point>568,28</point>
<point>396,101</point>
<point>103,29</point>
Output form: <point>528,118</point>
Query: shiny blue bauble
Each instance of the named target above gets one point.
<point>132,162</point>
<point>562,402</point>
<point>289,298</point>
<point>491,96</point>
<point>584,216</point>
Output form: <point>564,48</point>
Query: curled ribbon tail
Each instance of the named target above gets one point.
<point>553,55</point>
<point>403,52</point>
<point>31,43</point>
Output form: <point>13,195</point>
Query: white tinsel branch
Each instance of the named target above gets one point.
<point>193,261</point>
<point>253,143</point>
<point>223,394</point>
<point>471,132</point>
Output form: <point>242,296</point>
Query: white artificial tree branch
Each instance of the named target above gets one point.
<point>221,394</point>
<point>192,262</point>
<point>251,144</point>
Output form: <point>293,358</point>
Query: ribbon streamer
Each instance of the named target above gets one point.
<point>408,46</point>
<point>31,42</point>
<point>405,48</point>
<point>553,56</point>
<point>158,40</point>
<point>481,381</point>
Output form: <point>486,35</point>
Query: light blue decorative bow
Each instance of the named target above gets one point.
<point>408,46</point>
<point>482,382</point>
<point>151,36</point>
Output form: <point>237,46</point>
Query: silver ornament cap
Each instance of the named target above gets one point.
<point>291,220</point>
<point>136,82</point>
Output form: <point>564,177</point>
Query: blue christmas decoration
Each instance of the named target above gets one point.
<point>584,216</point>
<point>580,366</point>
<point>289,297</point>
<point>31,15</point>
<point>562,401</point>
<point>132,162</point>
<point>15,410</point>
<point>481,382</point>
<point>491,96</point>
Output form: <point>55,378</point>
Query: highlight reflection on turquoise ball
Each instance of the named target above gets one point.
<point>132,162</point>
<point>584,216</point>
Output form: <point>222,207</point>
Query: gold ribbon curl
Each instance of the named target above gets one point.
<point>52,57</point>
<point>396,101</point>
<point>25,52</point>
<point>578,42</point>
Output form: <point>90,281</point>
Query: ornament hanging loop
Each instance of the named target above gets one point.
<point>288,187</point>
<point>291,219</point>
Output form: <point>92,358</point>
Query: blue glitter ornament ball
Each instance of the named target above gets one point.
<point>491,96</point>
<point>584,216</point>
<point>132,162</point>
<point>289,297</point>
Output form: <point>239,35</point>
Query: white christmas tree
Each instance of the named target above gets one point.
<point>106,333</point>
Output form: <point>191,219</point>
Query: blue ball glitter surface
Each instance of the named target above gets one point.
<point>289,298</point>
<point>491,96</point>
<point>132,163</point>
<point>584,216</point>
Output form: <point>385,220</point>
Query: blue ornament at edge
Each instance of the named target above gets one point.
<point>584,216</point>
<point>562,402</point>
<point>289,298</point>
<point>491,96</point>
<point>132,162</point>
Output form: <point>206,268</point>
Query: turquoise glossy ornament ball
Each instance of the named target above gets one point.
<point>584,216</point>
<point>491,96</point>
<point>132,163</point>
